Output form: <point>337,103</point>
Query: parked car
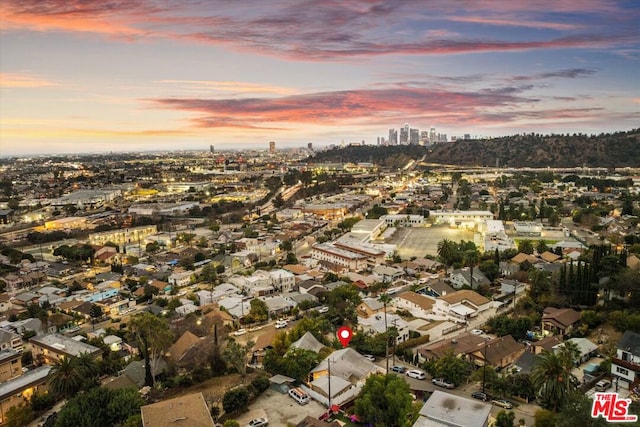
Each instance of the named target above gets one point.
<point>299,395</point>
<point>480,396</point>
<point>281,324</point>
<point>369,357</point>
<point>240,332</point>
<point>502,403</point>
<point>398,369</point>
<point>443,383</point>
<point>323,309</point>
<point>603,385</point>
<point>476,332</point>
<point>417,374</point>
<point>258,422</point>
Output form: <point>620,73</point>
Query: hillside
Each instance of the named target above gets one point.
<point>619,149</point>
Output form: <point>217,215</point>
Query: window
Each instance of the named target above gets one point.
<point>622,370</point>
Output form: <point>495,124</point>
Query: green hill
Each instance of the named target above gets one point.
<point>620,149</point>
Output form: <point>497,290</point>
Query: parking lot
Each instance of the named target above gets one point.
<point>419,242</point>
<point>280,409</point>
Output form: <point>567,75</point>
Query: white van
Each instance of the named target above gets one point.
<point>603,385</point>
<point>299,396</point>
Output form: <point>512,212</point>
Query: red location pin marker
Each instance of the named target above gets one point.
<point>344,335</point>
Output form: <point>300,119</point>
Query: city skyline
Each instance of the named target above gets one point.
<point>96,76</point>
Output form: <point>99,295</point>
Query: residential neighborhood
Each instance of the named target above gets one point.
<point>211,292</point>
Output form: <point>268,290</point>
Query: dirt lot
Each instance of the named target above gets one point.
<point>215,388</point>
<point>281,409</point>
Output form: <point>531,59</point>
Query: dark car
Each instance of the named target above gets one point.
<point>480,395</point>
<point>398,369</point>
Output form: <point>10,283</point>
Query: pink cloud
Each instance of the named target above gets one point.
<point>21,80</point>
<point>311,30</point>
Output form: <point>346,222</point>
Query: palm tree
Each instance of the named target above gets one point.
<point>66,377</point>
<point>446,251</point>
<point>89,368</point>
<point>470,259</point>
<point>552,378</point>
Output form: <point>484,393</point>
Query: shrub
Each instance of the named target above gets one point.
<point>235,400</point>
<point>41,402</point>
<point>260,384</point>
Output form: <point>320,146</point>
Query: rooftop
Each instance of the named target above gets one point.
<point>28,379</point>
<point>185,411</point>
<point>450,410</point>
<point>64,345</point>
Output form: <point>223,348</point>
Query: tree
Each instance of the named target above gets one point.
<point>576,411</point>
<point>66,377</point>
<point>505,419</point>
<point>385,401</point>
<point>154,337</point>
<point>42,401</point>
<point>343,301</point>
<point>552,378</point>
<point>296,364</point>
<point>95,311</point>
<point>447,251</point>
<point>259,311</point>
<point>236,355</point>
<point>100,407</point>
<point>452,368</point>
<point>542,246</point>
<point>525,246</point>
<point>235,400</point>
<point>19,415</point>
<point>470,259</point>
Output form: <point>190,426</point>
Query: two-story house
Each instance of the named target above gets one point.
<point>50,348</point>
<point>625,365</point>
<point>10,341</point>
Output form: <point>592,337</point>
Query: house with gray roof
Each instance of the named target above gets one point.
<point>308,342</point>
<point>446,409</point>
<point>347,364</point>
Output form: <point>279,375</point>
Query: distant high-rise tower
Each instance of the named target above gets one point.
<point>272,147</point>
<point>211,149</point>
<point>433,136</point>
<point>414,136</point>
<point>404,134</point>
<point>393,137</point>
<point>310,146</point>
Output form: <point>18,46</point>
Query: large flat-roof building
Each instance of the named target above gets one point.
<point>20,389</point>
<point>461,219</point>
<point>51,348</point>
<point>350,260</point>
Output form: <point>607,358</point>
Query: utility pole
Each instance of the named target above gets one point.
<point>329,378</point>
<point>484,365</point>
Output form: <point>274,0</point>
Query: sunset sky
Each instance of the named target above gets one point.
<point>129,75</point>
